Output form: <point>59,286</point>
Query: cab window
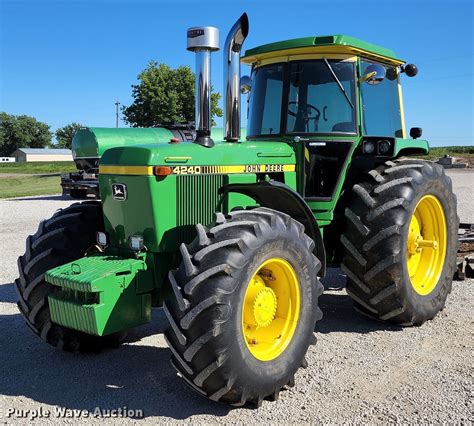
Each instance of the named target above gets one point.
<point>381,105</point>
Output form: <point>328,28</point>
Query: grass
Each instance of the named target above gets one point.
<point>459,150</point>
<point>453,151</point>
<point>22,186</point>
<point>464,152</point>
<point>38,167</point>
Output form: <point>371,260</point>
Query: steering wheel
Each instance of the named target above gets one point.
<point>306,109</point>
<point>307,115</point>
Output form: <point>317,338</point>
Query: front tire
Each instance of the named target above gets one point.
<point>401,242</point>
<point>231,290</point>
<point>64,237</point>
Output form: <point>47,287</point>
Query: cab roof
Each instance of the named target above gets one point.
<point>333,44</point>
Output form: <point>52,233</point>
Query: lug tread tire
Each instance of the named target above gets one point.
<point>63,238</point>
<point>205,295</point>
<point>378,216</point>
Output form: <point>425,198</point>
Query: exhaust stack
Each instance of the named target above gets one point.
<point>232,48</point>
<point>203,41</point>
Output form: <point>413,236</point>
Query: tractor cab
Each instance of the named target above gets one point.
<point>331,85</point>
<point>336,95</point>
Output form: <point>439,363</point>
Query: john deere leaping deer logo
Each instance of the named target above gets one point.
<point>119,191</point>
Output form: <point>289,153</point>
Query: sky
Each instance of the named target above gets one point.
<point>66,61</point>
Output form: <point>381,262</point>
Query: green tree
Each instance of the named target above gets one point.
<point>65,134</point>
<point>22,131</point>
<point>165,95</point>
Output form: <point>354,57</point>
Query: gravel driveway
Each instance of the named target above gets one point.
<point>360,370</point>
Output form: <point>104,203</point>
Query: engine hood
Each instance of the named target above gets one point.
<point>223,153</point>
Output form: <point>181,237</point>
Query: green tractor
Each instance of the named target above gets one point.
<point>231,237</point>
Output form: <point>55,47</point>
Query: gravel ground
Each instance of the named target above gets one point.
<point>463,183</point>
<point>360,370</point>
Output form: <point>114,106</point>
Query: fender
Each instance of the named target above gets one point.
<point>410,147</point>
<point>278,196</point>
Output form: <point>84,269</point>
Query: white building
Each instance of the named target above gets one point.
<point>42,154</point>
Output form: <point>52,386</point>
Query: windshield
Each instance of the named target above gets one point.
<point>266,100</point>
<point>312,100</point>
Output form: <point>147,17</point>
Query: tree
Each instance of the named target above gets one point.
<point>22,131</point>
<point>165,95</point>
<point>65,134</point>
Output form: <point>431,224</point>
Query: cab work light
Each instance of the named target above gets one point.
<point>135,242</point>
<point>102,239</point>
<point>384,147</point>
<point>369,147</point>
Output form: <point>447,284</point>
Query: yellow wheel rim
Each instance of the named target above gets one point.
<point>426,244</point>
<point>271,309</point>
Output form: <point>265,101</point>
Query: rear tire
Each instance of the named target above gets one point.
<point>206,336</point>
<point>64,237</point>
<point>376,257</point>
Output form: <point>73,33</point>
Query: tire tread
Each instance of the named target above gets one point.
<point>375,217</point>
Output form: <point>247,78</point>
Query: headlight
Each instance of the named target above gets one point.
<point>135,242</point>
<point>369,147</point>
<point>102,239</point>
<point>384,147</point>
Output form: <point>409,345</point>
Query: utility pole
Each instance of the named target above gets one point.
<point>117,104</point>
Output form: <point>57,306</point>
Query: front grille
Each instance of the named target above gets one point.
<point>197,201</point>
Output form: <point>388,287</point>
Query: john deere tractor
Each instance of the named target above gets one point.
<point>231,236</point>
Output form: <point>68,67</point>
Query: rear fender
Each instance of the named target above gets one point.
<point>406,147</point>
<point>278,196</point>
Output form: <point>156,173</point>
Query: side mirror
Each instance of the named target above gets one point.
<point>374,74</point>
<point>415,132</point>
<point>245,84</point>
<point>410,70</point>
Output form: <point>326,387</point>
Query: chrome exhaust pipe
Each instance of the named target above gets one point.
<point>233,46</point>
<point>203,41</point>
